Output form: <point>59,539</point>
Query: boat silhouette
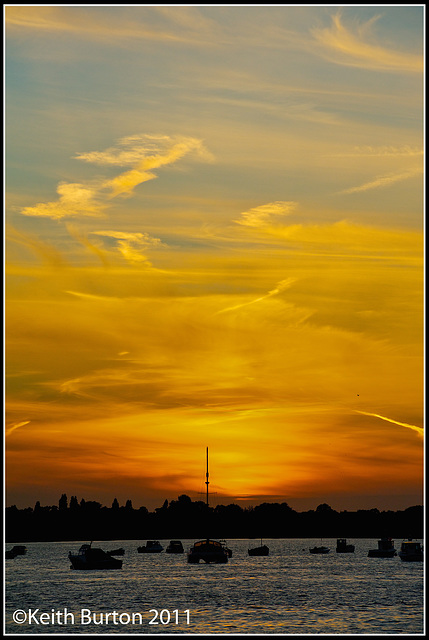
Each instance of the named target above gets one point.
<point>321,549</point>
<point>263,550</point>
<point>385,549</point>
<point>411,551</point>
<point>152,546</point>
<point>343,547</point>
<point>175,546</point>
<point>208,550</point>
<point>89,558</point>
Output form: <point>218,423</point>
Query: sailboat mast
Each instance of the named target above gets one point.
<point>207,476</point>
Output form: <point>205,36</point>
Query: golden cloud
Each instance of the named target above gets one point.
<point>341,46</point>
<point>260,216</point>
<point>131,245</point>
<point>76,200</point>
<point>385,181</point>
<point>146,152</point>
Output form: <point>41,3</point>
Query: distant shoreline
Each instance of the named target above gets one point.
<point>187,519</point>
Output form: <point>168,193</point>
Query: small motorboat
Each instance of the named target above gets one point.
<point>89,558</point>
<point>175,546</point>
<point>208,551</point>
<point>411,551</point>
<point>116,552</point>
<point>321,549</point>
<point>343,547</point>
<point>10,554</point>
<point>386,549</point>
<point>152,546</point>
<point>263,550</point>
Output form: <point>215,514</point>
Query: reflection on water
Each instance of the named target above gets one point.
<point>288,592</point>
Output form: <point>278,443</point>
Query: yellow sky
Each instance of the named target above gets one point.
<point>253,283</point>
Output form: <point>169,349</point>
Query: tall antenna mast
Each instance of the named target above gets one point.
<point>207,476</point>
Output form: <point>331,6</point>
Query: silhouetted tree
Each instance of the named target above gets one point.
<point>324,508</point>
<point>183,518</point>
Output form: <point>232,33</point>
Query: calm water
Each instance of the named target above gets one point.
<point>290,592</point>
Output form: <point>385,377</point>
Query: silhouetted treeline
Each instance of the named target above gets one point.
<point>184,518</point>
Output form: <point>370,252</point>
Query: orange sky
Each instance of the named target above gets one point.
<point>230,258</point>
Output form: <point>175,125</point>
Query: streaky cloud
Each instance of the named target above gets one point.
<point>419,430</point>
<point>131,245</point>
<point>65,21</point>
<point>384,181</point>
<point>281,286</point>
<point>142,152</point>
<point>49,254</point>
<point>340,46</point>
<point>15,426</point>
<point>260,216</point>
<point>382,151</point>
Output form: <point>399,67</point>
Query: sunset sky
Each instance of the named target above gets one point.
<point>214,238</point>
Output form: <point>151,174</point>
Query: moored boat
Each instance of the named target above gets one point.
<point>89,558</point>
<point>411,551</point>
<point>175,546</point>
<point>262,550</point>
<point>116,552</point>
<point>152,546</point>
<point>386,549</point>
<point>343,547</point>
<point>320,549</point>
<point>209,550</point>
<point>19,550</point>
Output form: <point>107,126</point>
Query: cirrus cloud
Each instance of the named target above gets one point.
<point>260,216</point>
<point>131,245</point>
<point>142,153</point>
<point>384,181</point>
<point>341,46</point>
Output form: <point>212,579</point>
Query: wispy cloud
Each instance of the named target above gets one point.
<point>131,245</point>
<point>360,49</point>
<point>16,425</point>
<point>152,148</point>
<point>382,151</point>
<point>76,200</point>
<point>419,430</point>
<point>49,254</point>
<point>143,153</point>
<point>280,287</point>
<point>384,181</point>
<point>93,25</point>
<point>169,151</point>
<point>262,215</point>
